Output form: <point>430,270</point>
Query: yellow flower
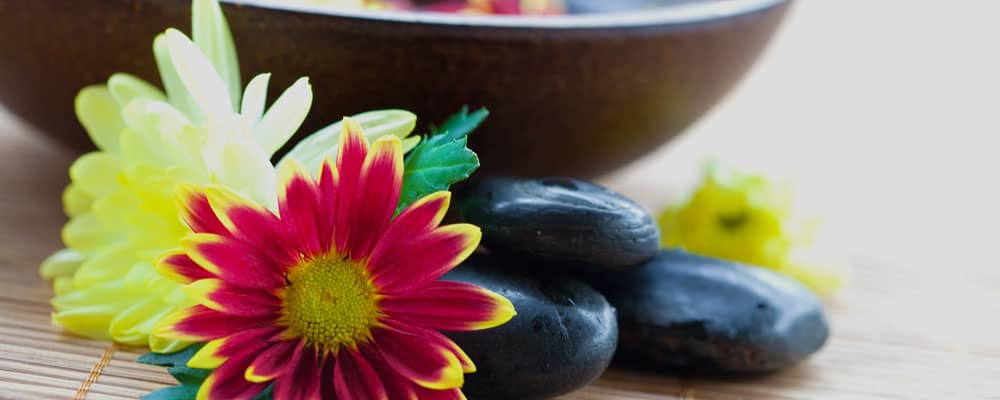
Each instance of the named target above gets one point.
<point>746,218</point>
<point>203,130</point>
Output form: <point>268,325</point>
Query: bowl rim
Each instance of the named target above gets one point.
<point>686,13</point>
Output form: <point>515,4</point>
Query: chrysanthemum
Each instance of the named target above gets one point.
<point>332,296</point>
<point>203,130</point>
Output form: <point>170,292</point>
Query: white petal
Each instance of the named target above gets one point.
<point>311,150</point>
<point>176,90</point>
<point>100,116</point>
<point>211,34</point>
<point>284,117</point>
<point>255,99</point>
<point>203,83</point>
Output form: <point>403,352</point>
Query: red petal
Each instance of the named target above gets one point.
<point>418,218</point>
<point>297,205</point>
<point>350,158</point>
<point>227,382</point>
<point>449,306</point>
<point>252,223</point>
<point>397,267</point>
<point>178,266</point>
<point>376,196</point>
<point>196,211</point>
<point>396,386</point>
<point>355,379</point>
<point>233,261</point>
<point>417,357</point>
<point>232,300</point>
<point>450,394</point>
<point>201,324</point>
<point>272,362</point>
<point>302,379</point>
<point>327,193</point>
<point>217,351</point>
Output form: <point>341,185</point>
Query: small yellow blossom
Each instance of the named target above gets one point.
<point>746,218</point>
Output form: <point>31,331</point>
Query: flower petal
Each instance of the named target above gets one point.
<point>220,296</point>
<point>85,233</point>
<point>217,351</point>
<point>227,382</point>
<point>255,99</point>
<point>302,380</point>
<point>298,206</point>
<point>76,201</point>
<point>133,324</point>
<point>450,306</point>
<point>412,353</point>
<point>196,211</point>
<point>234,261</point>
<point>350,160</point>
<point>177,266</point>
<point>283,119</point>
<point>424,258</point>
<point>251,223</point>
<point>273,361</point>
<point>176,91</point>
<point>125,88</point>
<point>447,394</point>
<point>201,324</point>
<point>419,218</point>
<point>100,116</point>
<point>355,379</point>
<point>96,173</point>
<point>326,211</point>
<point>211,34</point>
<point>325,142</point>
<point>376,197</point>
<point>207,89</point>
<point>62,263</point>
<point>396,386</point>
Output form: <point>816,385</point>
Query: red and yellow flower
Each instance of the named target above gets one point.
<point>332,297</point>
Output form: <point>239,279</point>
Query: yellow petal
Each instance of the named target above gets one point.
<point>96,173</point>
<point>61,264</point>
<point>110,263</point>
<point>98,112</point>
<point>125,88</point>
<point>76,201</point>
<point>134,324</point>
<point>86,234</point>
<point>62,285</point>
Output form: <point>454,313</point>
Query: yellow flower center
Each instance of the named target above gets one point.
<point>330,302</point>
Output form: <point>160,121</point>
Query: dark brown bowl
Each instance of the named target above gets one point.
<point>572,95</point>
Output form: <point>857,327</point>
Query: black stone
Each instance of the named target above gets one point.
<point>560,221</point>
<point>562,338</point>
<point>686,313</point>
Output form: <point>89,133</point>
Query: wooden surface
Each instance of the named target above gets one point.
<point>890,124</point>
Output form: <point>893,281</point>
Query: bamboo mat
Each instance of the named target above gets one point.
<point>899,331</point>
<point>916,322</point>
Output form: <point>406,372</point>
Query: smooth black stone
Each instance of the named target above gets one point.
<point>562,338</point>
<point>560,221</point>
<point>686,313</point>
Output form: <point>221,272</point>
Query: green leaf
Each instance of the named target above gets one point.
<point>461,123</point>
<point>441,159</point>
<point>177,359</point>
<point>189,379</point>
